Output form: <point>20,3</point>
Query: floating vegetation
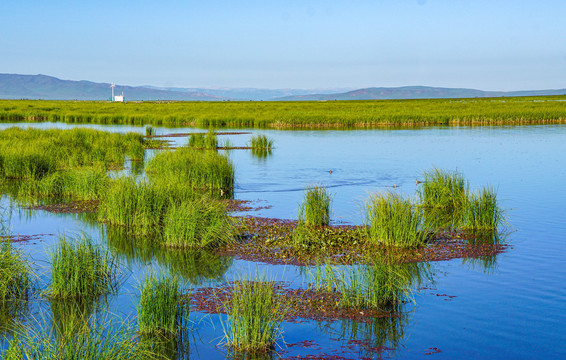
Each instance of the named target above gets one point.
<point>200,223</point>
<point>395,220</point>
<point>254,317</point>
<point>80,269</point>
<point>162,309</point>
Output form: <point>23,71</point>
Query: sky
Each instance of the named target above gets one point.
<point>486,45</point>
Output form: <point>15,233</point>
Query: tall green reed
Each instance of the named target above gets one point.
<point>255,315</point>
<point>315,208</point>
<point>395,220</point>
<point>81,269</point>
<point>162,308</point>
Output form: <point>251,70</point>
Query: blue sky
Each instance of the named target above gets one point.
<point>488,45</point>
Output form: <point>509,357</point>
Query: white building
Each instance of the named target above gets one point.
<point>119,98</point>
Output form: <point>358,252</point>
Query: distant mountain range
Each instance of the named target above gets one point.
<point>14,86</point>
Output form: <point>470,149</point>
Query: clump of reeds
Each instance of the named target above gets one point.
<point>261,142</point>
<point>15,276</point>
<point>395,220</point>
<point>199,223</point>
<point>481,211</point>
<point>98,343</point>
<point>315,209</point>
<point>82,184</point>
<point>149,131</point>
<point>81,269</point>
<point>204,141</point>
<point>193,169</point>
<point>162,309</point>
<point>443,189</point>
<point>135,205</point>
<point>254,317</point>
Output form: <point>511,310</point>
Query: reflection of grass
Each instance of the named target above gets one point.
<point>394,220</point>
<point>80,269</point>
<point>254,317</point>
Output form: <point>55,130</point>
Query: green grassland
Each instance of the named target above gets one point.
<point>313,114</point>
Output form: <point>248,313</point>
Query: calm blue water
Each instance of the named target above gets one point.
<point>513,309</point>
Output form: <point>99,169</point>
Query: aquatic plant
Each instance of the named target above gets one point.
<point>261,142</point>
<point>395,220</point>
<point>135,205</point>
<point>443,189</point>
<point>34,153</point>
<point>295,114</point>
<point>162,308</point>
<point>204,141</point>
<point>200,223</point>
<point>102,342</point>
<point>15,275</point>
<point>206,171</point>
<point>255,315</point>
<point>315,209</point>
<point>482,212</point>
<point>81,269</point>
<point>149,131</point>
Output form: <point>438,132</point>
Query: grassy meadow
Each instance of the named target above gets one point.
<point>313,114</point>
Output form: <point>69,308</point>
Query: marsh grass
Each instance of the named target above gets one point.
<point>443,189</point>
<point>261,142</point>
<point>204,141</point>
<point>255,315</point>
<point>101,342</point>
<point>149,131</point>
<point>33,153</point>
<point>315,208</point>
<point>136,205</point>
<point>15,275</point>
<point>197,170</point>
<point>81,269</point>
<point>482,212</point>
<point>197,224</point>
<point>162,309</point>
<point>80,184</point>
<point>393,220</point>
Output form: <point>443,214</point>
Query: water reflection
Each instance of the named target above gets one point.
<point>197,266</point>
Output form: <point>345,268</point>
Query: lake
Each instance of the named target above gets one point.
<point>510,306</point>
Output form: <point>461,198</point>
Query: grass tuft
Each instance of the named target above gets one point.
<point>162,309</point>
<point>315,209</point>
<point>80,269</point>
<point>254,317</point>
<point>394,220</point>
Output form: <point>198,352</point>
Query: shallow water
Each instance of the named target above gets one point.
<point>512,308</point>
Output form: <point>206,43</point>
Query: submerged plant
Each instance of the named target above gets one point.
<point>81,269</point>
<point>315,209</point>
<point>162,308</point>
<point>254,317</point>
<point>395,220</point>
